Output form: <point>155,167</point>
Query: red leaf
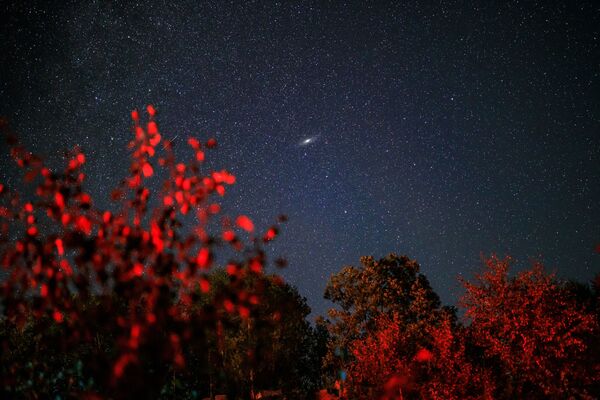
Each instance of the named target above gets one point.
<point>244,312</point>
<point>228,236</point>
<point>64,264</point>
<point>81,158</point>
<point>84,224</point>
<point>138,269</point>
<point>229,306</point>
<point>59,199</point>
<point>245,223</point>
<point>203,258</point>
<point>85,199</point>
<point>256,266</point>
<point>139,133</point>
<point>228,178</point>
<point>423,355</point>
<point>152,128</point>
<point>65,218</point>
<point>194,143</point>
<point>58,317</point>
<point>147,170</point>
<point>270,235</point>
<point>154,141</point>
<point>151,110</point>
<point>204,285</point>
<point>231,269</point>
<point>59,246</point>
<point>211,144</point>
<point>121,363</point>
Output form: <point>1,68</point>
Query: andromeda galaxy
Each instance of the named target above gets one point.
<point>308,140</point>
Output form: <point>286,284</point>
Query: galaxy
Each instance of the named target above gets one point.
<point>438,131</point>
<point>309,140</point>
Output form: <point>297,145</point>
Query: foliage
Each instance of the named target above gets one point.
<point>125,302</point>
<point>377,358</point>
<point>117,290</point>
<point>386,309</point>
<point>532,325</point>
<point>275,348</point>
<point>529,336</point>
<point>454,371</point>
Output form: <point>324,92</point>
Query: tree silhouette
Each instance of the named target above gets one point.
<point>278,338</point>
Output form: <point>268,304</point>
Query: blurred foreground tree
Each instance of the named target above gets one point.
<point>110,300</point>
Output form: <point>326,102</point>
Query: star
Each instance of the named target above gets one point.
<point>383,142</point>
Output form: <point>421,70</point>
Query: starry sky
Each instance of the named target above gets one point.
<point>441,130</point>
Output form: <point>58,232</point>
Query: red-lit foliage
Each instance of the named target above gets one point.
<point>530,336</point>
<point>453,374</point>
<point>382,367</point>
<point>130,274</point>
<point>378,361</point>
<point>387,307</point>
<point>536,332</point>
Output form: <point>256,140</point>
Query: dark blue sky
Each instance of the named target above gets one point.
<point>441,130</point>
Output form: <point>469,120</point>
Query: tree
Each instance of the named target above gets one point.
<point>382,368</point>
<point>534,328</point>
<point>283,347</point>
<point>454,370</point>
<point>377,358</point>
<point>116,289</point>
<point>386,309</point>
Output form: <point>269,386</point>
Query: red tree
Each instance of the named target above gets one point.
<point>129,275</point>
<point>530,336</point>
<point>535,330</point>
<point>453,373</point>
<point>378,358</point>
<point>382,368</point>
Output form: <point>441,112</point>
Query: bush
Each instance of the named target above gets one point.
<point>106,302</point>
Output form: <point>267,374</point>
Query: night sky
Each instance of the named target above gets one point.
<point>440,131</point>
